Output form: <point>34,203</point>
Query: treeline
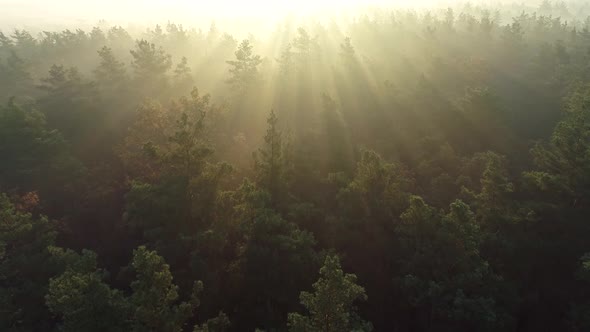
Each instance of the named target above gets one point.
<point>433,167</point>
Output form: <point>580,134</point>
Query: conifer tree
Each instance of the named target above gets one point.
<point>331,305</point>
<point>269,160</point>
<point>81,298</point>
<point>151,65</point>
<point>84,302</point>
<point>25,268</point>
<point>183,78</point>
<point>244,70</point>
<point>110,72</point>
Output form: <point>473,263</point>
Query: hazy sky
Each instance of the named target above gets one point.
<point>48,14</point>
<point>58,12</point>
<point>153,8</point>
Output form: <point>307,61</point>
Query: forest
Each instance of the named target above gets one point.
<point>404,170</point>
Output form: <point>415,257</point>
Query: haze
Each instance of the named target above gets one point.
<point>145,10</point>
<point>294,166</point>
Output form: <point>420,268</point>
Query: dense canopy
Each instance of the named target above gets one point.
<point>391,169</point>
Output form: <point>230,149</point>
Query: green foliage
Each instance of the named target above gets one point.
<point>189,148</point>
<point>331,305</point>
<point>154,295</point>
<point>84,302</point>
<point>337,138</point>
<point>176,184</point>
<point>183,78</point>
<point>157,210</point>
<point>495,186</point>
<point>151,65</point>
<point>562,165</point>
<point>150,61</point>
<point>444,278</point>
<point>244,70</point>
<point>25,268</point>
<point>16,76</point>
<point>272,241</point>
<point>264,238</point>
<point>220,323</point>
<point>30,151</point>
<point>269,161</point>
<point>436,105</point>
<point>71,105</point>
<point>110,73</point>
<point>379,190</point>
<point>5,41</point>
<point>81,298</point>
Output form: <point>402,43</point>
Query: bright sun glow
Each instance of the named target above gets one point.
<point>258,15</point>
<point>150,10</point>
<point>268,7</point>
<point>279,7</point>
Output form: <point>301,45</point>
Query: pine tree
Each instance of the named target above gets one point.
<point>271,240</point>
<point>18,70</point>
<point>81,298</point>
<point>154,295</point>
<point>110,72</point>
<point>244,70</point>
<point>347,52</point>
<point>29,151</point>
<point>71,104</point>
<point>97,37</point>
<point>269,160</point>
<point>84,302</point>
<point>444,278</point>
<point>286,61</point>
<point>190,148</point>
<point>25,267</point>
<point>563,164</point>
<point>151,65</point>
<point>304,45</point>
<point>221,323</point>
<point>24,42</point>
<point>5,41</point>
<point>183,78</point>
<point>331,305</point>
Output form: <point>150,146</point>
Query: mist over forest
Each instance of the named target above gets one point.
<point>294,166</point>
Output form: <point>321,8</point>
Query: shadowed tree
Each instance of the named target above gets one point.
<point>563,165</point>
<point>25,268</point>
<point>84,302</point>
<point>81,298</point>
<point>444,279</point>
<point>269,161</point>
<point>28,148</point>
<point>15,78</point>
